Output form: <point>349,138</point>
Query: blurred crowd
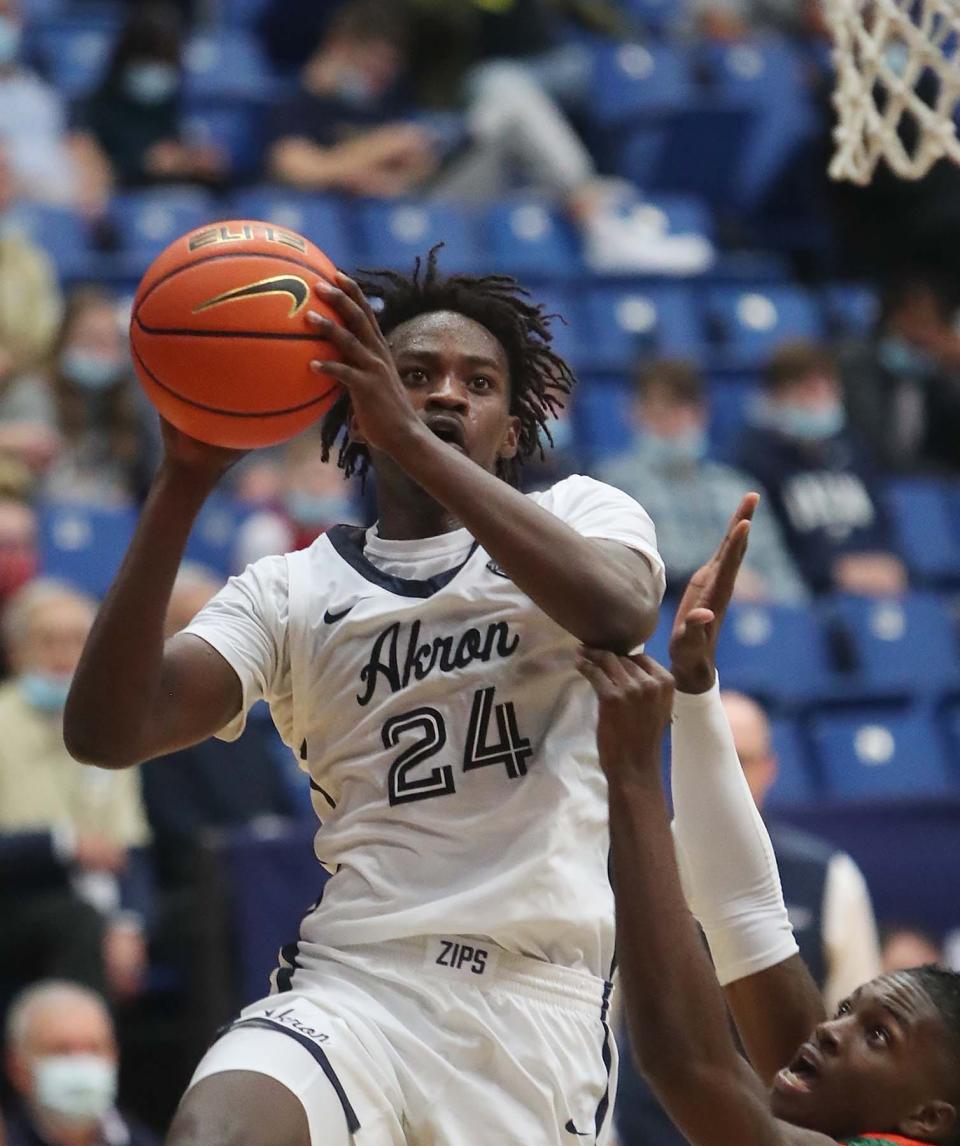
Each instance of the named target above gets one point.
<point>418,100</point>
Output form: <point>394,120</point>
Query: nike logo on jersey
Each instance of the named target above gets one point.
<point>398,664</point>
<point>571,1129</point>
<point>330,618</point>
<point>496,567</point>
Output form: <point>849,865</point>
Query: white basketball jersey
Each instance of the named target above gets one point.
<point>450,742</point>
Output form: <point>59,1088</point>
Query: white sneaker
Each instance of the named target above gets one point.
<point>637,239</point>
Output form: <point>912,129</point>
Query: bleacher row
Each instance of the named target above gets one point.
<point>668,113</point>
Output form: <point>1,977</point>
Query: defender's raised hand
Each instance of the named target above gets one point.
<point>381,408</point>
<point>693,640</point>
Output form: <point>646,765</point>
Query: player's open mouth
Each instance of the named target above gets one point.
<point>801,1074</point>
<point>448,429</point>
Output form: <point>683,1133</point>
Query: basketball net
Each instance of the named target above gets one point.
<point>882,49</point>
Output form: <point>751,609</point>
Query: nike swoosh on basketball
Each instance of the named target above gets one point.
<point>295,287</point>
<point>332,618</point>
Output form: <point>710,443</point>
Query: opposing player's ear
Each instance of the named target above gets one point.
<point>511,440</point>
<point>931,1122</point>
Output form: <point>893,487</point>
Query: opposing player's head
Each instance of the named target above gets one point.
<point>889,1062</point>
<point>474,353</point>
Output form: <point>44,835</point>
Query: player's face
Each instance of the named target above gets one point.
<point>872,1067</point>
<point>458,379</point>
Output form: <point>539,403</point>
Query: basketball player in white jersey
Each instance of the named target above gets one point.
<point>451,985</point>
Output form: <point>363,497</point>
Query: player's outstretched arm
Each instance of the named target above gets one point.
<point>674,1006</point>
<point>731,878</point>
<point>601,592</point>
<point>131,697</point>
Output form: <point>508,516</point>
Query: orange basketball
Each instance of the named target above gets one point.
<point>220,338</point>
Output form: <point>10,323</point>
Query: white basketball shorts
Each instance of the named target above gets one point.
<point>447,1040</point>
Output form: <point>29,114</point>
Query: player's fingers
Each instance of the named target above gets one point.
<point>353,291</point>
<point>352,315</point>
<point>340,371</point>
<point>597,678</point>
<point>744,512</point>
<point>729,566</point>
<point>616,668</point>
<point>349,345</point>
<point>652,668</point>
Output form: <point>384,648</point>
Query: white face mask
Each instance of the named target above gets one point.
<point>77,1089</point>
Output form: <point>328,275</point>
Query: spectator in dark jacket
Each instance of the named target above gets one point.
<point>820,483</point>
<point>134,116</point>
<point>902,385</point>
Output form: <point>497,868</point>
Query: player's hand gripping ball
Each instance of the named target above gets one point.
<point>220,338</point>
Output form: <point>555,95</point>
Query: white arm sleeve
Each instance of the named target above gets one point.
<point>725,857</point>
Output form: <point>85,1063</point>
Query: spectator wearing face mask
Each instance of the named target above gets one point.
<point>902,385</point>
<point>688,494</point>
<point>66,834</point>
<point>89,399</point>
<point>821,484</point>
<point>133,119</point>
<point>61,1055</point>
<point>311,496</point>
<point>46,163</point>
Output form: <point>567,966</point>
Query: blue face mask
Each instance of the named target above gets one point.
<point>806,424</point>
<point>90,371</point>
<point>903,358</point>
<point>684,449</point>
<point>11,35</point>
<point>317,509</point>
<point>151,82</point>
<point>45,691</point>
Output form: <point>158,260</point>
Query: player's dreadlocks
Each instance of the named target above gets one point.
<point>943,988</point>
<point>539,377</point>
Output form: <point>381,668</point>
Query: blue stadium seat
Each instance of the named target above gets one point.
<point>572,334</point>
<point>731,400</point>
<point>84,544</point>
<point>695,149</point>
<point>795,783</point>
<point>749,325</point>
<point>902,647</point>
<point>147,221</point>
<point>601,415</point>
<point>628,323</point>
<point>61,233</point>
<point>768,77</point>
<point>394,234</point>
<point>240,13</point>
<point>214,533</point>
<point>876,753</point>
<point>322,219</point>
<point>927,530</point>
<point>776,652</point>
<point>236,128</point>
<point>951,717</point>
<point>74,54</point>
<point>528,239</point>
<point>851,309</point>
<point>657,15</point>
<point>633,82</point>
<point>227,64</point>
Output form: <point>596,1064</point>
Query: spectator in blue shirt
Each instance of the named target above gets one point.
<point>821,485</point>
<point>687,494</point>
